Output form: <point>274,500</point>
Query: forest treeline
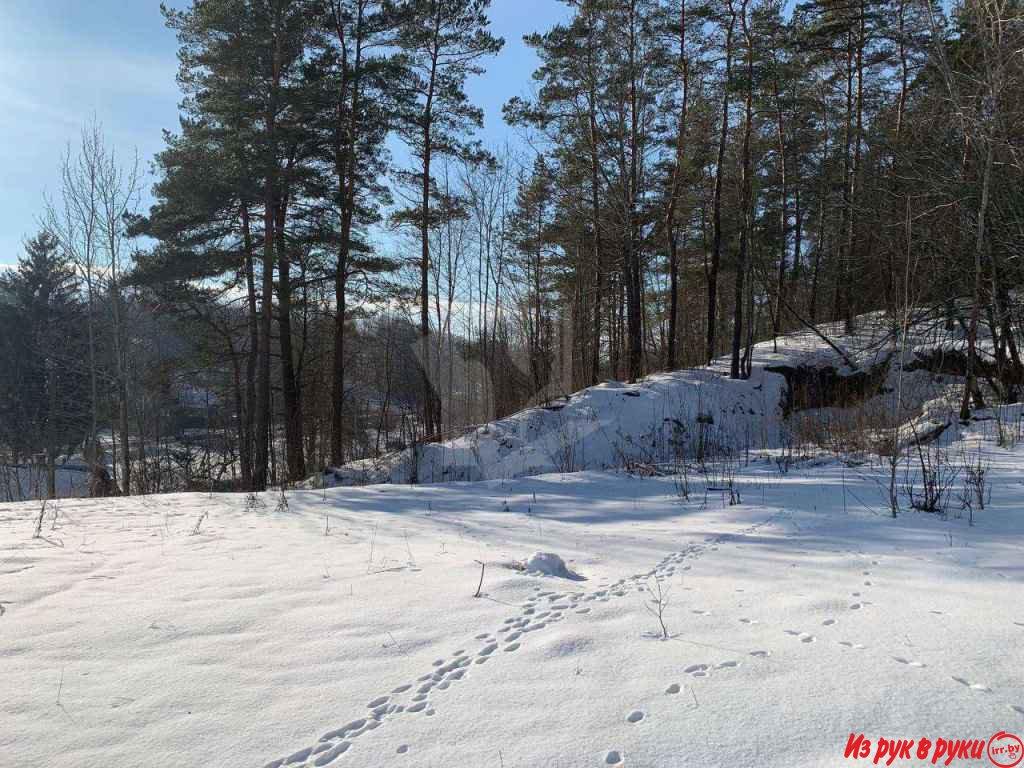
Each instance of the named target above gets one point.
<point>335,267</point>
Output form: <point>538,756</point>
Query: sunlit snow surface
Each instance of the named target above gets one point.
<point>343,630</point>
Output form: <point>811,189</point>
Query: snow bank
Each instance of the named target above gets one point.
<point>667,416</point>
<point>548,564</point>
<point>611,425</point>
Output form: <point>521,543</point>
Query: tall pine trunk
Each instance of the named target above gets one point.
<point>716,244</point>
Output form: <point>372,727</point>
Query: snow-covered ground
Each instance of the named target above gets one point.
<point>196,630</point>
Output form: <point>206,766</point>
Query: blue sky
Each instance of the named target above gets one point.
<point>61,61</point>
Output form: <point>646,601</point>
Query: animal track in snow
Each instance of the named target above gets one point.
<point>972,686</point>
<point>329,755</point>
<point>531,618</point>
<point>697,670</point>
<point>909,663</point>
<point>805,637</point>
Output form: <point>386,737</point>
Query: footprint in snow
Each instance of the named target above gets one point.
<point>672,689</point>
<point>1016,708</point>
<point>727,665</point>
<point>805,637</point>
<point>403,749</point>
<point>749,621</point>
<point>828,623</point>
<point>909,663</point>
<point>635,716</point>
<point>972,686</point>
<point>697,670</point>
<point>855,606</point>
<point>612,757</point>
<point>848,644</point>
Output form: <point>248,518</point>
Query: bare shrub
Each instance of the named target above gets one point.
<point>930,486</point>
<point>1008,431</point>
<point>565,458</point>
<point>657,601</point>
<point>719,464</point>
<point>39,521</point>
<point>282,500</point>
<point>977,490</point>
<point>854,430</point>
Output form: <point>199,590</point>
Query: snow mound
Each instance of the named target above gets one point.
<point>839,379</point>
<point>549,564</point>
<point>609,426</point>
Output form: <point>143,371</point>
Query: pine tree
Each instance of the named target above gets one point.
<point>42,402</point>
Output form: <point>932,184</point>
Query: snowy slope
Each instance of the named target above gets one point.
<point>610,425</point>
<point>669,415</point>
<point>343,631</point>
